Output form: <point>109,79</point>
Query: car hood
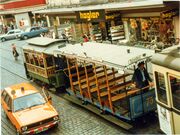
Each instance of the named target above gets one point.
<point>3,35</point>
<point>35,114</point>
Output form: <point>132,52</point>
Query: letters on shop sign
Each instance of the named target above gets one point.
<point>89,15</point>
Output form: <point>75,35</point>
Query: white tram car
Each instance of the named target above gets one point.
<point>166,71</point>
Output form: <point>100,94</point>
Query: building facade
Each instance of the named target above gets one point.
<point>19,12</point>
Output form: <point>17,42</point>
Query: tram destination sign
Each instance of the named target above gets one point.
<point>90,16</point>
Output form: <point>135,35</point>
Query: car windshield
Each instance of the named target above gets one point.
<point>27,29</point>
<point>28,101</point>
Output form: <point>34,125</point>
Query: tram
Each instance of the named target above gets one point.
<point>166,70</point>
<point>100,74</point>
<point>41,65</point>
<point>95,73</point>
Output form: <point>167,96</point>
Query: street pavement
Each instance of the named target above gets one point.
<point>74,119</point>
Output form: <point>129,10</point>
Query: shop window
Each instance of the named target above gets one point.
<point>49,61</point>
<point>161,87</point>
<point>175,90</point>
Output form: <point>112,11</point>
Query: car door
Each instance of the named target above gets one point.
<point>38,31</point>
<point>8,107</point>
<point>17,33</point>
<point>10,35</point>
<point>32,32</point>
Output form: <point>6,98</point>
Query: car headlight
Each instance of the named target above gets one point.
<point>56,118</point>
<point>24,128</point>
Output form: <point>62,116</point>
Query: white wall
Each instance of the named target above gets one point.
<point>25,17</point>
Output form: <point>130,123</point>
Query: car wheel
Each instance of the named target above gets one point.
<point>25,37</point>
<point>3,39</point>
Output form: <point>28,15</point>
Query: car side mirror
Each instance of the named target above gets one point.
<point>49,98</point>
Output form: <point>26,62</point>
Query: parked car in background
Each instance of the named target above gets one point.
<point>29,109</point>
<point>11,34</point>
<point>32,32</point>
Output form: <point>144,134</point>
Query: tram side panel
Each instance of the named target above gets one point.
<point>167,98</point>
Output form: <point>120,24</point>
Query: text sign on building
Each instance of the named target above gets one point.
<point>90,16</point>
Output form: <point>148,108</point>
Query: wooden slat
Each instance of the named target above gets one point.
<point>111,82</point>
<point>130,92</point>
<point>117,88</point>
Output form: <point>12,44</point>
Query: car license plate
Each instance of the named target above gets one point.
<point>41,130</point>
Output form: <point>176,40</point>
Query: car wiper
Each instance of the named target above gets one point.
<point>20,109</point>
<point>35,105</point>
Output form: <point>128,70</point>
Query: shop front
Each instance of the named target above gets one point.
<point>100,25</point>
<point>160,28</point>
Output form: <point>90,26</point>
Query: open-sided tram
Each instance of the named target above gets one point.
<point>100,74</point>
<point>96,74</point>
<point>166,70</point>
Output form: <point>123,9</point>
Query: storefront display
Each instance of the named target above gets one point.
<point>117,33</point>
<point>151,29</point>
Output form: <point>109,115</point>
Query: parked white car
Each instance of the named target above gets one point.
<point>11,34</point>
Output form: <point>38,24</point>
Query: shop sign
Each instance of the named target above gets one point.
<point>93,16</point>
<point>111,17</point>
<point>170,13</point>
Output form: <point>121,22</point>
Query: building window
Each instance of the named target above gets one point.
<point>161,87</point>
<point>175,90</point>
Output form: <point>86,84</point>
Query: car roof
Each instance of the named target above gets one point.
<point>28,89</point>
<point>15,30</point>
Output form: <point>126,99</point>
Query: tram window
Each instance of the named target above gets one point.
<point>175,90</point>
<point>26,58</point>
<point>49,61</point>
<point>41,62</point>
<point>31,59</point>
<point>161,87</point>
<point>36,60</point>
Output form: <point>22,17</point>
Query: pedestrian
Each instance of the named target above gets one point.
<point>14,51</point>
<point>141,77</point>
<point>85,38</point>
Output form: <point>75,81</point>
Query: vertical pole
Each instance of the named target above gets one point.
<point>79,79</point>
<point>97,84</point>
<point>113,74</point>
<point>48,22</point>
<point>70,75</point>
<point>108,89</point>
<point>87,81</point>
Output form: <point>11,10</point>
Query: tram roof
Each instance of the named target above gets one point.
<point>106,54</point>
<point>43,41</point>
<point>44,44</point>
<point>169,58</point>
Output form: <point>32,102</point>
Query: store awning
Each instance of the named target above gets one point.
<point>22,10</point>
<point>108,6</point>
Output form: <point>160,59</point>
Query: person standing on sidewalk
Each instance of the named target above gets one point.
<point>14,51</point>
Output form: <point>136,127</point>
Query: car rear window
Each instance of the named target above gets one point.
<point>28,101</point>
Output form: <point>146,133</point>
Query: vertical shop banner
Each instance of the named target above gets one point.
<point>90,16</point>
